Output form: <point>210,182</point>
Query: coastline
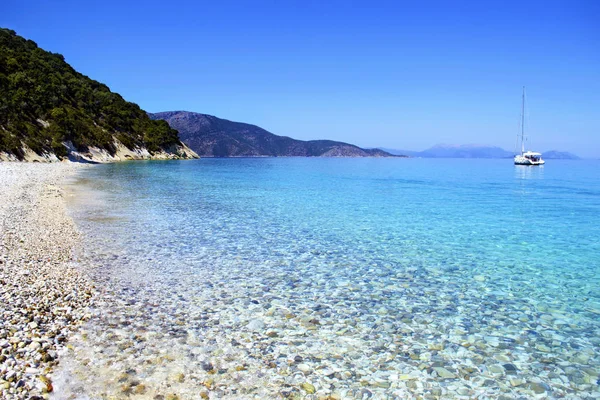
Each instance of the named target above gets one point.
<point>44,294</point>
<point>95,155</point>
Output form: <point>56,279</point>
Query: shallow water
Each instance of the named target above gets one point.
<point>350,278</point>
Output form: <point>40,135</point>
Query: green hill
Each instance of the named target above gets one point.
<point>49,107</point>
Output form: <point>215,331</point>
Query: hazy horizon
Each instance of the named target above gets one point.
<point>467,145</point>
<point>400,76</point>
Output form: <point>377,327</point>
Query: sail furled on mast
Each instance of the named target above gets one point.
<point>523,123</point>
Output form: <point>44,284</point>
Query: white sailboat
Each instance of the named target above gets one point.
<point>526,157</point>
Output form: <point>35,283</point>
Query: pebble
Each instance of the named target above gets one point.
<point>444,373</point>
<point>256,325</point>
<point>309,388</point>
<point>516,382</point>
<point>303,367</point>
<point>510,367</point>
<point>538,387</point>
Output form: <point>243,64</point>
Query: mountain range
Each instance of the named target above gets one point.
<point>49,111</point>
<point>474,151</point>
<point>210,136</point>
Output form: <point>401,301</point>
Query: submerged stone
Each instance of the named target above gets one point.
<point>308,388</point>
<point>538,387</point>
<point>444,373</point>
<point>510,367</point>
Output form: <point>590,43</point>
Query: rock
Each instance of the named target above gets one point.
<point>256,325</point>
<point>538,387</point>
<point>404,377</point>
<point>140,389</point>
<point>444,373</point>
<point>543,347</point>
<point>308,388</point>
<point>382,384</point>
<point>34,346</point>
<point>510,367</point>
<point>48,388</point>
<point>303,367</point>
<point>514,382</point>
<point>436,346</point>
<point>32,371</point>
<point>10,376</point>
<point>581,358</point>
<point>496,369</point>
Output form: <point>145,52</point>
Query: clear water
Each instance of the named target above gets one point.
<point>350,278</point>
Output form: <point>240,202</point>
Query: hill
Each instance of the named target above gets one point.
<point>456,151</point>
<point>560,155</point>
<point>465,151</point>
<point>49,111</point>
<point>210,136</point>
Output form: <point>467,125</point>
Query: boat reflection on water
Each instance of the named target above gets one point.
<point>524,172</point>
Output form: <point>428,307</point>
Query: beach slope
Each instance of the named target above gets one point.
<point>44,294</point>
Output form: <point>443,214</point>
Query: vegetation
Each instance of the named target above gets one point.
<point>45,102</point>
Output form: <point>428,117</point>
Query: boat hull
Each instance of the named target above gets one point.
<point>520,160</point>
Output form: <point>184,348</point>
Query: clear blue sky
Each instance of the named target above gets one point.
<point>396,74</point>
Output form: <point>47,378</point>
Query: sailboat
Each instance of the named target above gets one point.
<point>526,157</point>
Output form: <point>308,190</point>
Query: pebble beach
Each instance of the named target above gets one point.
<point>44,296</point>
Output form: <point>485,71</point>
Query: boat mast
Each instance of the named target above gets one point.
<point>523,123</point>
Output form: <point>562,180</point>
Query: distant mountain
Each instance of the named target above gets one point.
<point>475,151</point>
<point>457,151</point>
<point>49,111</point>
<point>466,151</point>
<point>559,155</point>
<point>210,136</point>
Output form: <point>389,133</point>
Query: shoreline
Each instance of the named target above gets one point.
<point>45,296</point>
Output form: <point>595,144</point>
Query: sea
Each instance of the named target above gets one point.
<point>337,278</point>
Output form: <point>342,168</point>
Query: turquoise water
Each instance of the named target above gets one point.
<point>350,278</point>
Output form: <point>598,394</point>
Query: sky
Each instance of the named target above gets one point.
<point>401,74</point>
